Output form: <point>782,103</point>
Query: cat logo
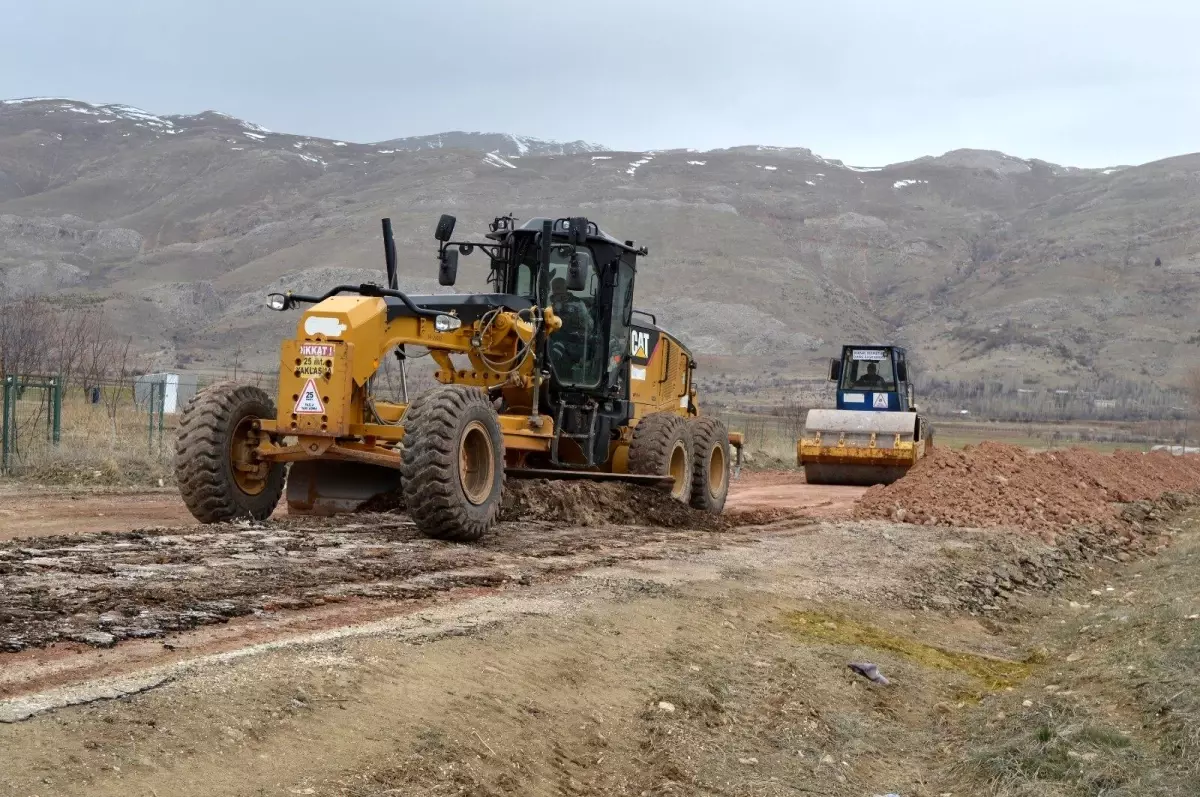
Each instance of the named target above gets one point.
<point>640,344</point>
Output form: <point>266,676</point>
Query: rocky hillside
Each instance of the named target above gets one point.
<point>764,259</point>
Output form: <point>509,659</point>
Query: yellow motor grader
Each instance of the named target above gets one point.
<point>552,375</point>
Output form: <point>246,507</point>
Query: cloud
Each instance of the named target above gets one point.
<point>868,81</point>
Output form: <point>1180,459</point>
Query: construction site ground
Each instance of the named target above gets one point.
<point>579,651</point>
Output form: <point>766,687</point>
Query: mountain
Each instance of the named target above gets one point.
<point>505,144</point>
<point>988,266</point>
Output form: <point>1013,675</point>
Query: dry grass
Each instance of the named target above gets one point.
<point>1118,712</point>
<point>770,440</point>
<point>99,443</point>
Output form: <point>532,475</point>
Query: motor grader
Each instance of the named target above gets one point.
<point>553,375</point>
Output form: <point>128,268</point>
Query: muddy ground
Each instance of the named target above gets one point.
<point>356,658</point>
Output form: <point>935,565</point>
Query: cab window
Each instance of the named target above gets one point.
<point>868,369</point>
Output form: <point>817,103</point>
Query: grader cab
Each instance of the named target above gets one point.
<point>552,375</point>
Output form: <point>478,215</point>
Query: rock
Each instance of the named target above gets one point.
<point>667,707</point>
<point>100,639</point>
<point>748,761</point>
<point>900,515</point>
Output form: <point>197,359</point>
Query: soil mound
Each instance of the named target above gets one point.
<point>589,503</point>
<point>994,484</point>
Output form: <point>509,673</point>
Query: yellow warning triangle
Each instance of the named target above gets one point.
<point>309,402</point>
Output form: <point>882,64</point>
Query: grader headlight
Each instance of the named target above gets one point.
<point>446,323</point>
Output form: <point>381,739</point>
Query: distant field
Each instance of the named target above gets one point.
<point>776,435</point>
<point>950,437</point>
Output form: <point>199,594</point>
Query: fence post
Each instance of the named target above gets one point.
<point>162,410</point>
<point>150,407</point>
<point>57,383</point>
<point>5,426</point>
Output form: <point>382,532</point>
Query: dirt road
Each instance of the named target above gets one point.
<point>786,490</point>
<point>559,668</point>
<point>216,588</point>
<point>353,657</point>
<point>29,512</point>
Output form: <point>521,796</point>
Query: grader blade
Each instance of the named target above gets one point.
<point>662,482</point>
<point>325,487</point>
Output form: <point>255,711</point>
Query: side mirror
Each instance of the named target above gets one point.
<point>448,267</point>
<point>835,370</point>
<point>579,228</point>
<point>445,227</point>
<point>277,301</point>
<point>902,371</point>
<point>576,276</point>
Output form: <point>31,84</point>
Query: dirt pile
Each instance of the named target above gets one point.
<point>994,484</point>
<point>588,503</point>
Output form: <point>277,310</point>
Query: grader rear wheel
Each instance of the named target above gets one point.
<point>452,466</point>
<point>220,478</point>
<point>662,446</point>
<point>710,464</point>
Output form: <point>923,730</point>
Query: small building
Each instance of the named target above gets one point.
<point>177,389</point>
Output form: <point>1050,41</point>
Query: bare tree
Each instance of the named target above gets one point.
<point>1191,385</point>
<point>23,329</point>
<point>118,380</point>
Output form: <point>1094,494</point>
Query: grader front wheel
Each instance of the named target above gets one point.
<point>662,446</point>
<point>452,466</point>
<point>220,478</point>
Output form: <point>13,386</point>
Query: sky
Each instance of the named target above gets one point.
<point>870,82</point>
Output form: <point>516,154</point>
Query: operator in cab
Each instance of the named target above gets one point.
<point>871,380</point>
<point>574,314</point>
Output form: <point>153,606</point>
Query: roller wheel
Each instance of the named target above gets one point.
<point>662,446</point>
<point>220,478</point>
<point>452,466</point>
<point>710,464</point>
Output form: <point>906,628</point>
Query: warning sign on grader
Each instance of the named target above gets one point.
<point>314,358</point>
<point>309,402</point>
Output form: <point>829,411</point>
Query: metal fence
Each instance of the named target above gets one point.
<point>44,417</point>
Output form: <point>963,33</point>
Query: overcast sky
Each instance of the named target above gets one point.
<point>1085,83</point>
